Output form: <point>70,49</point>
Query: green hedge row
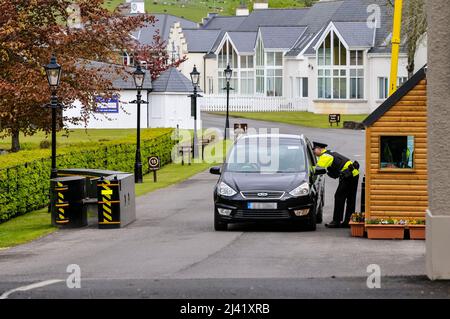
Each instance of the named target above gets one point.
<point>25,188</point>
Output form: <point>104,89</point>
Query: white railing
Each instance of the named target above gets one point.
<point>217,103</point>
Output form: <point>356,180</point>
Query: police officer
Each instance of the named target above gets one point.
<point>340,167</point>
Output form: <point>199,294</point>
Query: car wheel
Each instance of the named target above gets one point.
<point>312,222</point>
<point>218,224</point>
<point>319,218</point>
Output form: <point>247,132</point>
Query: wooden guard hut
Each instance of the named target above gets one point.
<point>396,154</point>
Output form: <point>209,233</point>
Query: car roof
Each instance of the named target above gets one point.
<point>288,136</point>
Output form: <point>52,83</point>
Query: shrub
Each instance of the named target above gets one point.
<point>25,187</point>
<point>44,144</point>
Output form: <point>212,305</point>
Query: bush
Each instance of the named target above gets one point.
<point>25,187</point>
<point>44,144</point>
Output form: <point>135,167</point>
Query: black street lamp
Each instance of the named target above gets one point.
<point>228,73</point>
<point>195,78</point>
<point>53,72</point>
<point>139,77</point>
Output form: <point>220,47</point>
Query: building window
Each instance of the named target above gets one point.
<point>301,87</point>
<point>247,62</point>
<point>401,80</point>
<point>247,82</point>
<point>357,57</point>
<point>127,59</point>
<point>383,86</point>
<point>260,81</point>
<point>340,84</point>
<point>210,85</point>
<point>324,84</point>
<point>397,152</point>
<point>228,56</point>
<point>340,71</point>
<point>274,82</point>
<point>356,83</point>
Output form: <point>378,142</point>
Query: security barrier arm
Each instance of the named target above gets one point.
<point>396,37</point>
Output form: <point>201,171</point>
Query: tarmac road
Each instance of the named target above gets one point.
<point>173,251</point>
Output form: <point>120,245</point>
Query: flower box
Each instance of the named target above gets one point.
<point>417,232</point>
<point>385,231</point>
<point>357,229</point>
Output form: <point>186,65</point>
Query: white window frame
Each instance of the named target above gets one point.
<point>330,69</point>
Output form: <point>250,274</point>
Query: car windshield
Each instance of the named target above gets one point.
<point>267,155</point>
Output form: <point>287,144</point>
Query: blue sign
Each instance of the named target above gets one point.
<point>106,105</point>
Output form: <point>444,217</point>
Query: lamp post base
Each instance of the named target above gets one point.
<point>138,179</point>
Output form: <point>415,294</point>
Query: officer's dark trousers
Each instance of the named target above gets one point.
<point>345,193</point>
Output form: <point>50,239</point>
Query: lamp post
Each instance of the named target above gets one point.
<point>195,78</point>
<point>53,72</point>
<point>139,77</point>
<point>228,73</point>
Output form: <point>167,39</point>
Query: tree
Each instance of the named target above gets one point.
<point>30,32</point>
<point>156,57</point>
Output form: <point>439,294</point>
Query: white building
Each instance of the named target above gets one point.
<point>331,58</point>
<point>168,100</point>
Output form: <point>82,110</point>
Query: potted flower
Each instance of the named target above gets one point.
<point>357,224</point>
<point>388,228</point>
<point>417,229</point>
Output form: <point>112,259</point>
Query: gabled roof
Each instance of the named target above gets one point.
<point>120,76</point>
<point>172,80</point>
<point>244,41</point>
<point>224,23</point>
<point>350,15</point>
<point>274,17</point>
<point>356,34</point>
<point>164,21</point>
<point>283,37</point>
<point>396,97</point>
<point>199,40</point>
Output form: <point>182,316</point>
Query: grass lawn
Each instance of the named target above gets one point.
<point>74,136</point>
<point>24,228</point>
<point>195,10</point>
<point>36,224</point>
<point>305,119</point>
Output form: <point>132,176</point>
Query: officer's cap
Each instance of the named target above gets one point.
<point>321,145</point>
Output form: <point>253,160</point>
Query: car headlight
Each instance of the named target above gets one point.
<point>302,190</point>
<point>225,190</point>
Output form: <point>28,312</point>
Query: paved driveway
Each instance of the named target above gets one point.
<point>173,251</point>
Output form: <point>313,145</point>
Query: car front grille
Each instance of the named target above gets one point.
<point>262,194</point>
<point>247,214</point>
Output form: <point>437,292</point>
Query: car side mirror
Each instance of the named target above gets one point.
<point>215,170</point>
<point>320,171</point>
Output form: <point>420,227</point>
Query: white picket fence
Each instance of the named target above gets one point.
<point>218,103</point>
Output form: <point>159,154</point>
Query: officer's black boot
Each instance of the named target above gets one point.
<point>333,224</point>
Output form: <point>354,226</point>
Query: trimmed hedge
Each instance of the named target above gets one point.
<point>25,188</point>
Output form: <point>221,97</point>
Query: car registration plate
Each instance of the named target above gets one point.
<point>262,205</point>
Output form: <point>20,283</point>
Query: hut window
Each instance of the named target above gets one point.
<point>397,152</point>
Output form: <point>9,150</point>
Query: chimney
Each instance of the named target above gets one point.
<point>242,10</point>
<point>261,4</point>
<point>137,6</point>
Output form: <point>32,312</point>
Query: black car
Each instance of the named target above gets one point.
<point>268,178</point>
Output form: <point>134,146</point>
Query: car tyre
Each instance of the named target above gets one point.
<point>312,222</point>
<point>218,224</point>
<point>319,219</point>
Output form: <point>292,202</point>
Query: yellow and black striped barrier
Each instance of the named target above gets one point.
<point>61,205</point>
<point>108,203</point>
<point>67,197</point>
